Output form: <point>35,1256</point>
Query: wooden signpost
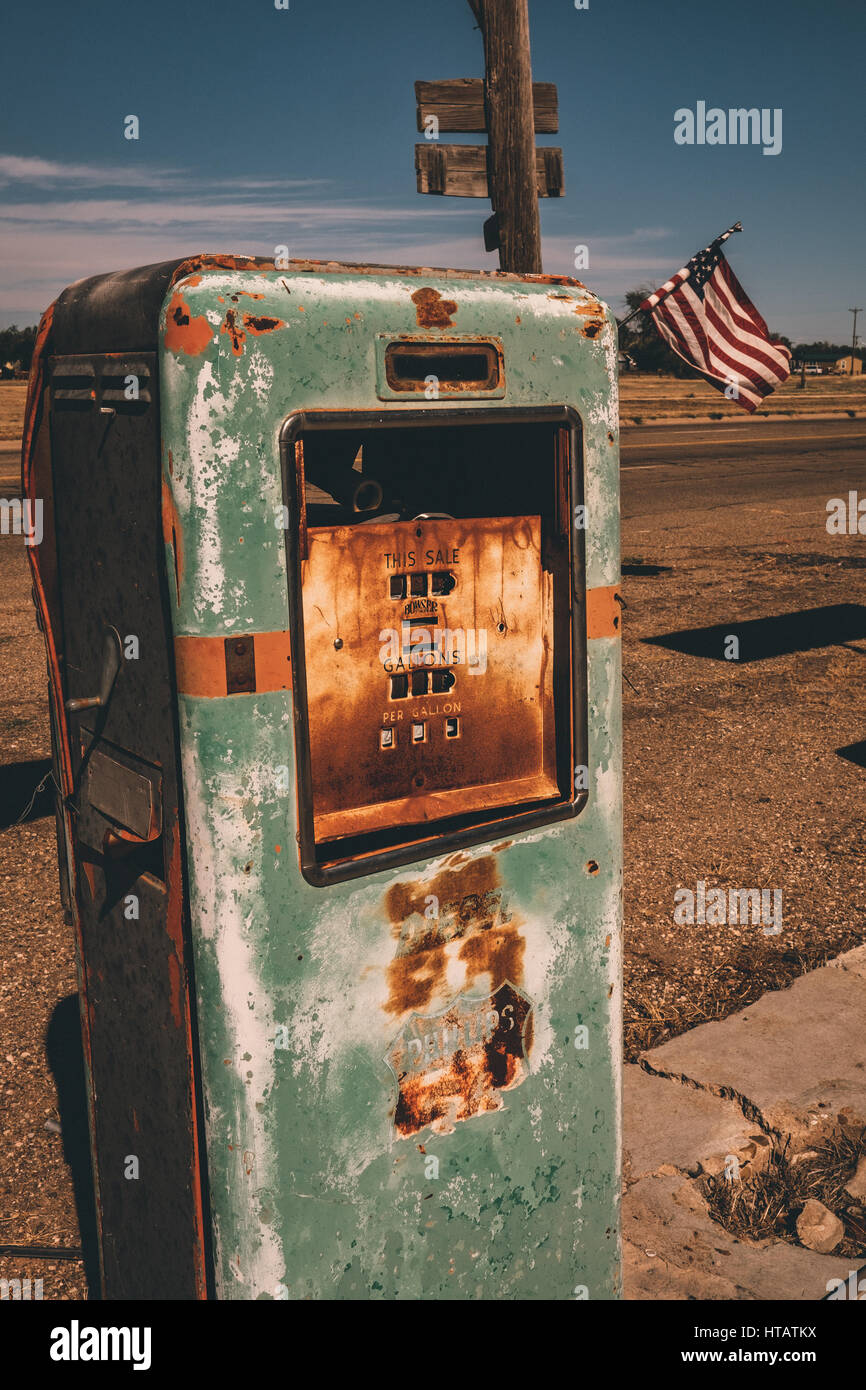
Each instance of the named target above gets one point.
<point>509,169</point>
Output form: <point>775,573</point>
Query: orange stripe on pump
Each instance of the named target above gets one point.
<point>273,661</point>
<point>603,612</point>
<point>200,663</point>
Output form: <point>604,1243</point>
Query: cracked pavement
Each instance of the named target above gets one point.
<point>789,1067</point>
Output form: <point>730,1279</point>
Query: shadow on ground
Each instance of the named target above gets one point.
<point>639,569</point>
<point>66,1060</point>
<point>20,802</point>
<point>854,753</point>
<point>762,638</point>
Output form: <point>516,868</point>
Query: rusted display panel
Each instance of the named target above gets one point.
<point>429,683</point>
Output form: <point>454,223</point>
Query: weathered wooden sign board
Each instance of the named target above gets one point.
<point>460,171</point>
<point>458,105</point>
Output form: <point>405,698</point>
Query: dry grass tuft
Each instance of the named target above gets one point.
<point>768,1204</point>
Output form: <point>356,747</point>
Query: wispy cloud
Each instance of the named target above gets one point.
<point>125,213</point>
<point>50,175</point>
<point>60,222</point>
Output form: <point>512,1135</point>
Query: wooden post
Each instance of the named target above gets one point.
<point>508,106</point>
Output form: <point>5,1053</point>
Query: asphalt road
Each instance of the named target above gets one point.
<point>699,467</point>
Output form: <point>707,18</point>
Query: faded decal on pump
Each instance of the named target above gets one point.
<point>455,920</point>
<point>455,1065</point>
<point>452,1065</point>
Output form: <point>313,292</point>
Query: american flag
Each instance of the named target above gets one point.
<point>706,317</point>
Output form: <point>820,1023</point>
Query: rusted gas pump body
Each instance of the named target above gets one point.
<point>384,780</point>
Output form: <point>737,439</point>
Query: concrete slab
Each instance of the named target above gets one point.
<point>672,1250</point>
<point>793,1061</point>
<point>675,1126</point>
<point>798,1054</point>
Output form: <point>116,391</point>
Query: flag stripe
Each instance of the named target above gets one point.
<point>743,342</point>
<point>729,347</point>
<point>710,359</point>
<point>738,295</point>
<point>720,295</point>
<point>717,363</point>
<point>746,398</point>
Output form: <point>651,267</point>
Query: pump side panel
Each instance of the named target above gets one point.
<point>354,1150</point>
<point>128,907</point>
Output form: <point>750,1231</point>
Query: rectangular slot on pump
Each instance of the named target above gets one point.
<point>453,367</point>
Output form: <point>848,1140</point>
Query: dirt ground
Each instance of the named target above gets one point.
<point>740,774</point>
<point>12,397</point>
<point>37,969</point>
<point>734,777</point>
<point>649,398</point>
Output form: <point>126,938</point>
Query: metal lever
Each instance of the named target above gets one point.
<point>112,656</point>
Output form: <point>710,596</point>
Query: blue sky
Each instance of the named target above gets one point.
<point>261,126</point>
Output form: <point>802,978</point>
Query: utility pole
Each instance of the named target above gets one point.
<point>508,106</point>
<point>855,312</point>
<point>511,108</point>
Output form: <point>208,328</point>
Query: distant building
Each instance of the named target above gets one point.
<point>825,363</point>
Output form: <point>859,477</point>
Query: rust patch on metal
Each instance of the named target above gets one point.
<point>498,951</point>
<point>90,875</point>
<point>233,332</point>
<point>172,533</point>
<point>603,611</point>
<point>262,323</point>
<point>589,310</point>
<point>249,323</point>
<point>460,904</point>
<point>459,366</point>
<point>432,311</point>
<point>175,979</point>
<point>476,879</point>
<point>183,332</point>
<point>456,1065</point>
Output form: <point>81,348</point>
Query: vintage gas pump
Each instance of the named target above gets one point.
<point>329,594</point>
